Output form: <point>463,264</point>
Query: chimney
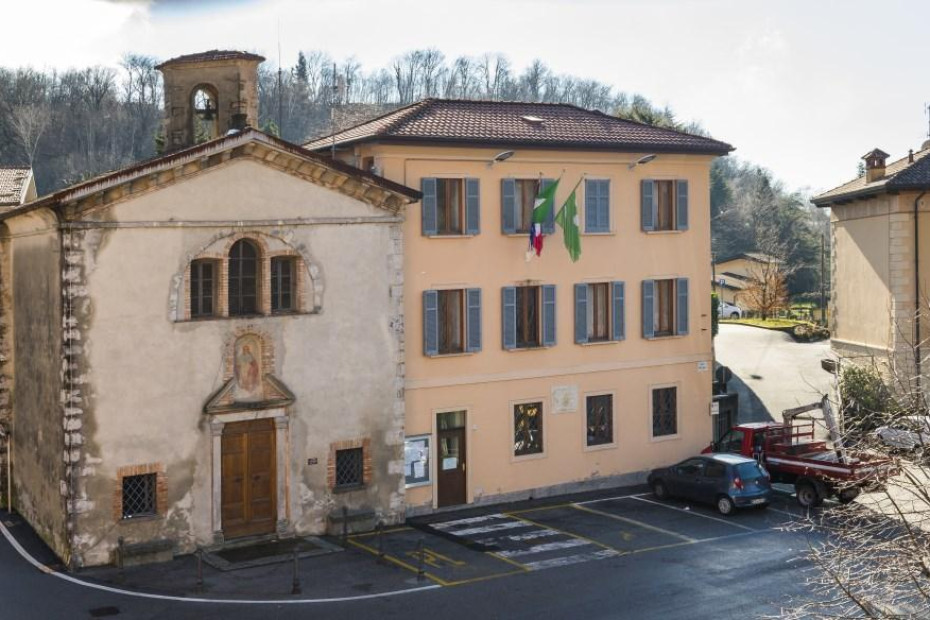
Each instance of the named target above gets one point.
<point>874,164</point>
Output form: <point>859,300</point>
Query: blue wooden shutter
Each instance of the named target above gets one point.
<point>649,329</point>
<point>603,207</point>
<point>590,205</point>
<point>430,220</point>
<point>648,206</point>
<point>681,218</point>
<point>509,317</point>
<point>581,313</point>
<point>430,322</point>
<point>548,226</point>
<point>619,315</point>
<point>508,206</point>
<point>472,207</point>
<point>548,315</point>
<point>682,309</point>
<point>473,319</point>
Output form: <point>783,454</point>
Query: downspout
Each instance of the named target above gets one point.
<point>917,353</point>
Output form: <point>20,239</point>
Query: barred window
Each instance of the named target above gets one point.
<point>243,278</point>
<point>664,411</point>
<point>139,496</point>
<point>600,420</point>
<point>282,284</point>
<point>527,429</point>
<point>203,289</point>
<point>349,467</point>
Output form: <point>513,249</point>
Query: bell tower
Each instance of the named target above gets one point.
<point>207,95</point>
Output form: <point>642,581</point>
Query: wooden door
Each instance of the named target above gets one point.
<point>450,464</point>
<point>249,495</point>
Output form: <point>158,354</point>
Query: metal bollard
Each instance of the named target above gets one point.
<point>380,542</point>
<point>295,584</point>
<point>120,544</point>
<point>345,526</point>
<point>199,569</point>
<point>421,575</point>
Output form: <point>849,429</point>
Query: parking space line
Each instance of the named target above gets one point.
<point>375,533</point>
<point>570,534</point>
<point>608,499</point>
<point>636,523</point>
<point>538,508</point>
<point>784,512</point>
<point>399,562</point>
<point>444,525</point>
<point>495,554</point>
<point>696,514</point>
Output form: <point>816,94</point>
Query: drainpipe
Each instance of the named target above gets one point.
<point>917,353</point>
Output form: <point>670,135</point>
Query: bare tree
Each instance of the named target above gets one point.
<point>29,122</point>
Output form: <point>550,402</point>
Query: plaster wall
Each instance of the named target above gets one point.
<point>40,454</point>
<point>487,383</point>
<point>152,374</point>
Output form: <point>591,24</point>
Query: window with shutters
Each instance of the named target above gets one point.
<point>283,284</point>
<point>528,317</point>
<point>451,321</point>
<point>450,206</point>
<point>664,317</point>
<point>243,278</point>
<point>599,420</point>
<point>527,428</point>
<point>664,205</point>
<point>525,192</point>
<point>664,411</point>
<point>596,206</point>
<point>203,288</point>
<point>599,312</point>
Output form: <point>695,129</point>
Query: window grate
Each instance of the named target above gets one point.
<point>527,429</point>
<point>139,496</point>
<point>349,467</point>
<point>600,420</point>
<point>664,411</point>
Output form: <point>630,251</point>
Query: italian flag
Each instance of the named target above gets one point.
<point>545,200</point>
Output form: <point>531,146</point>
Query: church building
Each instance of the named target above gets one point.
<point>206,346</point>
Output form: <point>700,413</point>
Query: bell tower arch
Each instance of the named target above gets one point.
<point>208,94</point>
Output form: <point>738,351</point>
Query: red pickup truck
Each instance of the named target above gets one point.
<point>792,455</point>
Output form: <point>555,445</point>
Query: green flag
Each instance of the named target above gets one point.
<point>567,218</point>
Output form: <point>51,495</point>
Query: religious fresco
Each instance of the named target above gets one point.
<point>247,367</point>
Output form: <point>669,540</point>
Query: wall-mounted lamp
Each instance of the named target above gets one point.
<point>503,155</point>
<point>645,159</point>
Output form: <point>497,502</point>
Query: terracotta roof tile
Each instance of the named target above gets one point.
<point>507,123</point>
<point>899,175</point>
<point>210,56</point>
<point>13,182</point>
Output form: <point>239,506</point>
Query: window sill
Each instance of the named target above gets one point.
<point>601,446</point>
<point>609,233</point>
<point>245,317</point>
<point>654,439</point>
<point>598,343</point>
<point>668,337</point>
<point>665,232</point>
<point>447,355</point>
<point>141,519</point>
<point>462,236</point>
<point>535,348</point>
<point>528,457</point>
<point>348,488</point>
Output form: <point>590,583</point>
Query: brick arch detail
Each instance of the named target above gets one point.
<point>270,245</point>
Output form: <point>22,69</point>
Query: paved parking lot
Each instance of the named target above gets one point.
<point>500,544</point>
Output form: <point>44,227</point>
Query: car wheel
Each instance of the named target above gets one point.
<point>659,489</point>
<point>725,505</point>
<point>807,495</point>
<point>847,495</point>
<point>734,315</point>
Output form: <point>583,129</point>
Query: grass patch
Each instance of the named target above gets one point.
<point>802,331</point>
<point>766,323</point>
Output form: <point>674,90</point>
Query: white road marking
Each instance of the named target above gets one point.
<point>444,525</point>
<point>636,523</point>
<point>609,499</point>
<point>784,512</point>
<point>181,599</point>
<point>532,535</point>
<point>491,528</point>
<point>696,514</point>
<point>553,546</point>
<point>572,559</point>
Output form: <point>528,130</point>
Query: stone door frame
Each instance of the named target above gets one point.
<point>282,449</point>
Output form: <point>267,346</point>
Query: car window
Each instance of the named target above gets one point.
<point>715,470</point>
<point>732,441</point>
<point>750,471</point>
<point>691,467</point>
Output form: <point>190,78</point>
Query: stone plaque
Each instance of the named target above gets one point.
<point>564,398</point>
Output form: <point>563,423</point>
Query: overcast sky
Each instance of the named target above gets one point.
<point>801,87</point>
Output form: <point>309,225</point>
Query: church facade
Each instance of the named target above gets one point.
<point>208,346</point>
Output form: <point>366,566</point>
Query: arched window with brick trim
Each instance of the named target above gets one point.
<point>244,279</point>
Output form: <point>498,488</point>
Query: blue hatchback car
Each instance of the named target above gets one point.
<point>728,481</point>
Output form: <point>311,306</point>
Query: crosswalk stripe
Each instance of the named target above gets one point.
<point>571,559</point>
<point>509,525</point>
<point>444,525</point>
<point>553,546</point>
